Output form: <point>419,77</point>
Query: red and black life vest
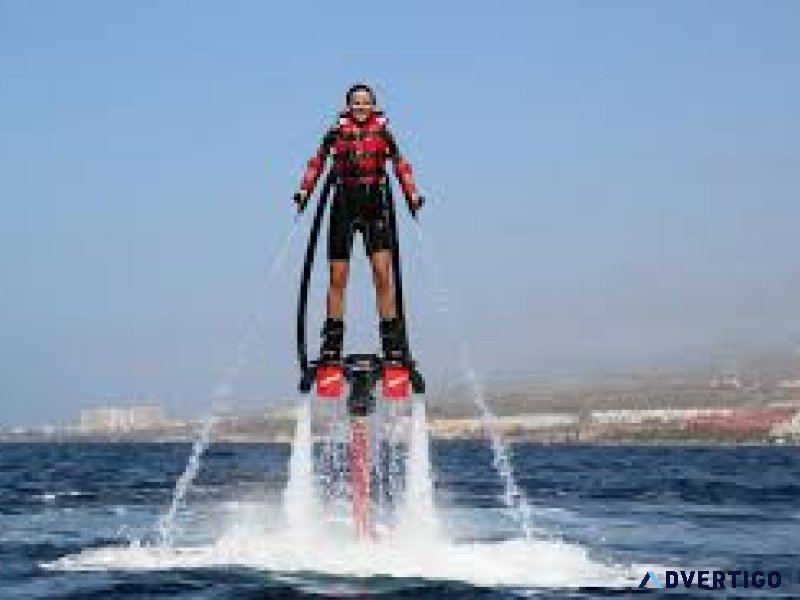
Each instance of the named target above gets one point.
<point>360,152</point>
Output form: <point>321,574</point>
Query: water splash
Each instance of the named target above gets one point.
<point>167,521</point>
<point>389,462</point>
<point>298,501</point>
<point>337,566</point>
<point>513,497</point>
<point>221,394</point>
<point>330,461</point>
<point>420,512</point>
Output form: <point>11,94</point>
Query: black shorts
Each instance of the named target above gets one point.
<point>362,208</point>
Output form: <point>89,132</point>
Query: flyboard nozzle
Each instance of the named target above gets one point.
<point>363,372</point>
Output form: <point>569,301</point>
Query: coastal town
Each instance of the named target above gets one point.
<point>723,409</point>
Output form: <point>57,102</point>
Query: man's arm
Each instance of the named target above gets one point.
<point>316,164</point>
<point>402,170</point>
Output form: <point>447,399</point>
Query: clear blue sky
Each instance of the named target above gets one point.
<point>613,185</point>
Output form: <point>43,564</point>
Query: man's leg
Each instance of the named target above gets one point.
<point>381,262</point>
<point>340,242</point>
<point>339,271</point>
<point>390,328</point>
<point>333,329</point>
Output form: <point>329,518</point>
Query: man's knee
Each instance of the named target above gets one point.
<point>383,279</point>
<point>338,278</point>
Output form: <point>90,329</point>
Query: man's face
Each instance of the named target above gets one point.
<point>361,105</point>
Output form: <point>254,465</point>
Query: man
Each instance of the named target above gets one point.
<point>360,144</point>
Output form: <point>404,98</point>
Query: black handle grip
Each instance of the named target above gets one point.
<point>300,202</point>
<point>420,204</point>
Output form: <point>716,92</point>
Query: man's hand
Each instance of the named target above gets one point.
<point>415,202</point>
<point>300,200</point>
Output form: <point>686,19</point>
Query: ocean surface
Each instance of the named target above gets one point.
<point>81,521</point>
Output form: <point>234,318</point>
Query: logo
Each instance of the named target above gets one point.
<point>330,379</point>
<point>650,576</point>
<point>395,381</point>
<point>713,580</point>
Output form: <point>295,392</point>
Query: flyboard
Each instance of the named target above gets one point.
<point>359,380</point>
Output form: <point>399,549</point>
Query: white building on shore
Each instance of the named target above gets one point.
<point>117,419</point>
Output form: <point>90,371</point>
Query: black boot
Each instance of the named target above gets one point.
<point>393,340</point>
<point>332,340</point>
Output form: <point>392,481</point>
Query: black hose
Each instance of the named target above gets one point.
<point>302,300</point>
<point>398,275</point>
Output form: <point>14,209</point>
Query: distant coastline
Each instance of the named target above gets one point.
<point>667,414</point>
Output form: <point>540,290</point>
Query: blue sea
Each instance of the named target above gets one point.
<point>81,521</point>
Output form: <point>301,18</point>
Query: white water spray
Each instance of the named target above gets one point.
<point>419,517</point>
<point>222,392</point>
<point>389,461</point>
<point>298,499</point>
<point>167,521</point>
<point>513,497</point>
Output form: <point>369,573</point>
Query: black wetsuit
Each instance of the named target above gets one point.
<point>359,208</point>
